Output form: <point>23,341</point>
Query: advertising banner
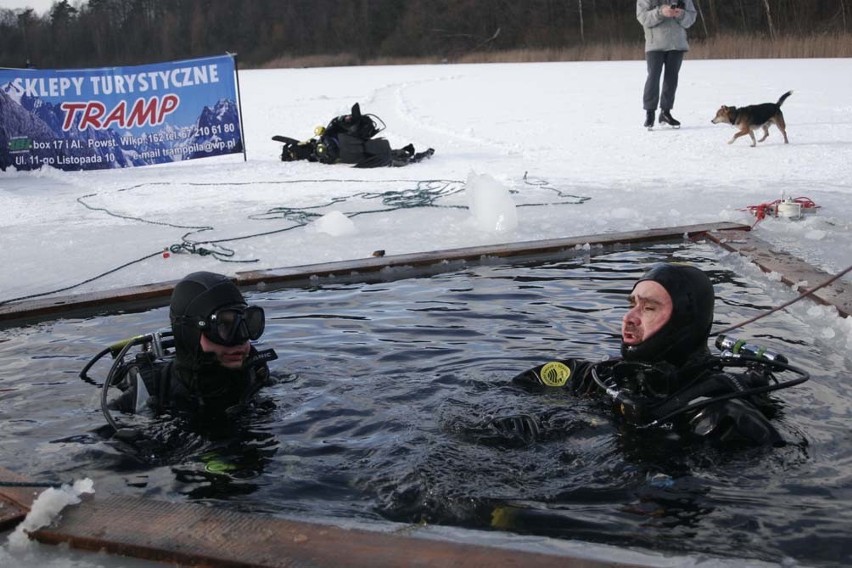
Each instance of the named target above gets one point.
<point>119,117</point>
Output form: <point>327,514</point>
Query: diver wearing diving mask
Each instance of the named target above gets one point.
<point>213,368</point>
<point>666,376</point>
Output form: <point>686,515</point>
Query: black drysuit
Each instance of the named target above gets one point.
<point>659,377</point>
<point>159,386</point>
<point>656,393</point>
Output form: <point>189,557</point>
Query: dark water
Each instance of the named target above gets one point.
<point>385,390</point>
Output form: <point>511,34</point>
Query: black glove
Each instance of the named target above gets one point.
<point>735,419</point>
<point>521,428</point>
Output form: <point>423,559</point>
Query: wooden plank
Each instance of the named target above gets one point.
<point>793,271</point>
<point>201,535</point>
<point>15,501</point>
<point>133,298</point>
<point>526,249</point>
<point>158,294</point>
<point>191,534</point>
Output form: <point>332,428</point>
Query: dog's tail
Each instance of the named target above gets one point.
<point>784,98</point>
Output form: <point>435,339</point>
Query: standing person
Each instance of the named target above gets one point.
<point>214,369</point>
<point>666,377</point>
<point>665,23</point>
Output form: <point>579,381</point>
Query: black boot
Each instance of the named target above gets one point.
<point>649,118</point>
<point>667,118</point>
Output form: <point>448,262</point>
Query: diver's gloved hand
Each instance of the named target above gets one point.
<point>733,420</point>
<point>518,428</point>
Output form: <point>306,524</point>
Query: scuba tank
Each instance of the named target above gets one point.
<point>732,347</point>
<point>129,355</point>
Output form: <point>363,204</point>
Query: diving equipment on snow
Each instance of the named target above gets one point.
<point>350,139</point>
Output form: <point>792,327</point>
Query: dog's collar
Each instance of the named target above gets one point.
<point>734,115</point>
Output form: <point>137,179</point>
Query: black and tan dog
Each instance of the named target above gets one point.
<point>750,118</point>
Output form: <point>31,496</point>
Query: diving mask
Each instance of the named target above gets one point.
<point>233,325</point>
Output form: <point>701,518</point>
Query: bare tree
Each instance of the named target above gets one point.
<point>743,14</point>
<point>701,17</point>
<point>772,33</point>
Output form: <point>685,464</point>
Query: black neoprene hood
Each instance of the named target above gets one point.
<point>688,328</point>
<point>194,299</point>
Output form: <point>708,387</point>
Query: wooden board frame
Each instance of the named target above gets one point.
<point>137,298</point>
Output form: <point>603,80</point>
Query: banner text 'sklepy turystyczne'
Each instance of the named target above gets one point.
<point>119,117</point>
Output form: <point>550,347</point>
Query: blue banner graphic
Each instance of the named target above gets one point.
<point>119,117</point>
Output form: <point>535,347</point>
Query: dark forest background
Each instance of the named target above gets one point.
<point>280,33</point>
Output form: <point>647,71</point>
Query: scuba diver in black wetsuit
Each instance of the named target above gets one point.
<point>205,368</point>
<point>667,377</point>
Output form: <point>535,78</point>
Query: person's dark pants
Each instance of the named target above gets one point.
<point>656,60</point>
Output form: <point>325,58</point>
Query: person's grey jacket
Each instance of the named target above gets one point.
<point>661,33</point>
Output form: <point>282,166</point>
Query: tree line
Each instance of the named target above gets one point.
<point>99,33</point>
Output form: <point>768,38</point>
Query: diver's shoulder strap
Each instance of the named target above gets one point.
<point>140,382</point>
<point>711,381</point>
<point>156,380</point>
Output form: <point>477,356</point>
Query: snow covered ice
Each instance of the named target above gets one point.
<point>560,147</point>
